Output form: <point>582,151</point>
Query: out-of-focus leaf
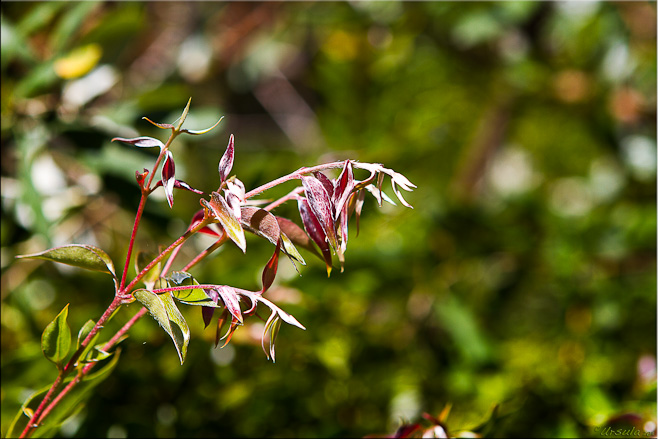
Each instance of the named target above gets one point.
<point>169,177</point>
<point>158,311</point>
<point>343,188</point>
<point>322,207</point>
<point>56,338</point>
<point>314,230</point>
<point>141,261</point>
<point>84,331</point>
<point>78,62</point>
<point>67,406</point>
<point>78,255</point>
<point>229,222</point>
<point>226,162</point>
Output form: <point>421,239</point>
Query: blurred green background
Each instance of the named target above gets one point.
<point>524,277</point>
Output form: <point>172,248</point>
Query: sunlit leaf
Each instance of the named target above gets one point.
<point>78,255</point>
<point>231,301</point>
<point>297,236</point>
<point>198,132</point>
<point>156,307</point>
<point>261,222</point>
<point>177,319</point>
<point>322,207</point>
<point>56,338</point>
<point>183,116</point>
<point>189,296</point>
<point>229,222</point>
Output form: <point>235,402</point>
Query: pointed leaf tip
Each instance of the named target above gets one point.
<point>226,162</point>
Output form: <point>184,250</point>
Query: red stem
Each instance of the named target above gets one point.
<point>293,176</point>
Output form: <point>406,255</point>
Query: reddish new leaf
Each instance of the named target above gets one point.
<point>208,311</point>
<point>231,302</point>
<point>226,162</point>
<point>322,207</point>
<point>326,183</point>
<point>269,272</point>
<point>142,142</point>
<point>343,189</point>
<point>168,177</point>
<point>314,230</point>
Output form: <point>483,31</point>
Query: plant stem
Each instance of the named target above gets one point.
<point>293,176</point>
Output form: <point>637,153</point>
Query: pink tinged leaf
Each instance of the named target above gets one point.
<point>343,189</point>
<point>231,301</point>
<point>142,142</point>
<point>168,177</point>
<point>141,177</point>
<point>326,183</point>
<point>314,230</point>
<point>180,184</point>
<point>321,206</point>
<point>289,319</point>
<point>227,219</point>
<point>399,195</point>
<point>379,195</point>
<point>226,162</point>
<point>234,203</point>
<point>207,311</point>
<point>235,186</point>
<point>269,272</point>
<point>358,199</point>
<point>261,222</point>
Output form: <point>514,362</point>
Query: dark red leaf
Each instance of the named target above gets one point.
<point>269,272</point>
<point>343,189</point>
<point>226,162</point>
<point>231,301</point>
<point>328,185</point>
<point>322,207</point>
<point>196,219</point>
<point>208,311</point>
<point>141,177</point>
<point>314,230</point>
<point>180,184</point>
<point>168,177</point>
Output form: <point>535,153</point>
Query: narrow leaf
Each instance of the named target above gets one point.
<point>226,162</point>
<point>142,142</point>
<point>184,115</point>
<point>208,311</point>
<point>291,251</point>
<point>224,215</point>
<point>197,132</point>
<point>261,222</point>
<point>269,272</point>
<point>231,301</point>
<point>159,125</point>
<point>177,319</point>
<point>56,338</point>
<point>78,255</point>
<point>169,177</point>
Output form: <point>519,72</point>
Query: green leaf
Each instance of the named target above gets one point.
<point>84,331</point>
<point>141,261</point>
<point>191,296</point>
<point>67,406</point>
<point>78,255</point>
<point>177,318</point>
<point>56,338</point>
<point>158,311</point>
